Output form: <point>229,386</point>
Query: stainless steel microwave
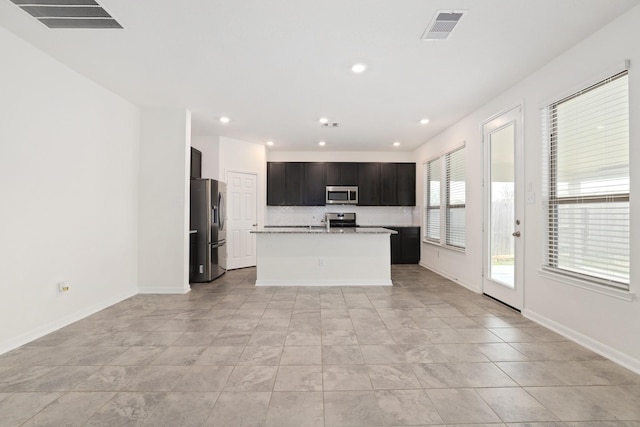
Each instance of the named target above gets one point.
<point>342,195</point>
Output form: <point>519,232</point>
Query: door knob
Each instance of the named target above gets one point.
<point>516,234</point>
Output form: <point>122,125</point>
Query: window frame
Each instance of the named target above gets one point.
<point>554,201</point>
<point>444,206</point>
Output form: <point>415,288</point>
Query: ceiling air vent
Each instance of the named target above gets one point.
<point>85,14</point>
<point>442,25</point>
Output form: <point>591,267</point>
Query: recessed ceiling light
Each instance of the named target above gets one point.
<point>358,68</point>
<point>424,121</point>
<point>225,119</point>
<point>322,143</point>
<point>269,143</point>
<point>396,144</point>
<point>324,120</point>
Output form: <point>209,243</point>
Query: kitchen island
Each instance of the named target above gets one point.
<point>314,256</point>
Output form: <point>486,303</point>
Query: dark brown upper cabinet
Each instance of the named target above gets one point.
<point>341,173</point>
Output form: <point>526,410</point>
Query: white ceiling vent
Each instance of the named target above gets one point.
<point>442,25</point>
<point>68,13</point>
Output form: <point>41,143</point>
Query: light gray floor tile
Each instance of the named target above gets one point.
<point>297,337</point>
<point>126,409</point>
<point>109,378</point>
<point>138,356</point>
<point>295,409</point>
<point>252,378</point>
<point>461,406</point>
<point>240,410</point>
<point>62,378</point>
<point>374,336</point>
<point>515,405</point>
<point>484,375</point>
<point>351,408</point>
<point>339,337</point>
<point>71,409</point>
<point>260,355</point>
<point>183,410</point>
<point>19,407</point>
<point>570,403</point>
<point>96,356</point>
<point>179,356</point>
<point>220,355</point>
<point>301,355</point>
<point>392,377</point>
<point>341,355</point>
<point>156,378</point>
<point>383,354</point>
<point>439,375</point>
<point>407,407</point>
<point>346,377</point>
<point>204,378</point>
<point>299,378</point>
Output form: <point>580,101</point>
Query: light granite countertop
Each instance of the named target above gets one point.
<point>323,230</point>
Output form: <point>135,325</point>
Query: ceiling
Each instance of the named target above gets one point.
<point>275,67</point>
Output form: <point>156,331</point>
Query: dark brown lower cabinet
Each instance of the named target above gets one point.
<point>405,246</point>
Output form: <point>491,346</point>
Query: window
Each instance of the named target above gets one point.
<point>587,187</point>
<point>444,222</point>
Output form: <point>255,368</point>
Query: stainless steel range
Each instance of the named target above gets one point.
<point>341,220</point>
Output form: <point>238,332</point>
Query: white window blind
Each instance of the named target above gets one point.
<point>455,215</point>
<point>445,200</point>
<point>432,200</point>
<point>587,183</point>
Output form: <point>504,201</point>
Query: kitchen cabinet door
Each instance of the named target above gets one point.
<point>314,184</point>
<point>275,183</point>
<point>405,246</point>
<point>388,184</point>
<point>396,245</point>
<point>411,245</point>
<point>294,183</point>
<point>406,184</point>
<point>341,173</point>
<point>369,184</point>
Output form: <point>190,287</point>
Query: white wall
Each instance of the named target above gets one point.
<point>163,236</point>
<point>68,186</point>
<point>242,156</point>
<point>603,323</point>
<point>210,148</point>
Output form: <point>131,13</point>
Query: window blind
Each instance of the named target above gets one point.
<point>455,209</point>
<point>587,183</point>
<point>432,200</point>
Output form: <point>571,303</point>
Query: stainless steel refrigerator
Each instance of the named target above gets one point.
<point>207,217</point>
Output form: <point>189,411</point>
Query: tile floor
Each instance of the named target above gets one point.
<point>425,352</point>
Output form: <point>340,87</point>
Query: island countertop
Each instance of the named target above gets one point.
<point>323,230</point>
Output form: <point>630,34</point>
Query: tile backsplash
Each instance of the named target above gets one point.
<point>365,215</point>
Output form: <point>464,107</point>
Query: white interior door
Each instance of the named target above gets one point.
<point>242,215</point>
<point>503,277</point>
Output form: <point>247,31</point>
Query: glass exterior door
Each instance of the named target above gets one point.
<point>503,273</point>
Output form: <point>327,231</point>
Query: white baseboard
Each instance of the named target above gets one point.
<point>160,290</point>
<point>604,350</point>
<point>54,325</point>
<point>470,286</point>
<point>363,283</point>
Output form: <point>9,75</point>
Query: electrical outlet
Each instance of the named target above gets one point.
<point>320,262</point>
<point>63,287</point>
